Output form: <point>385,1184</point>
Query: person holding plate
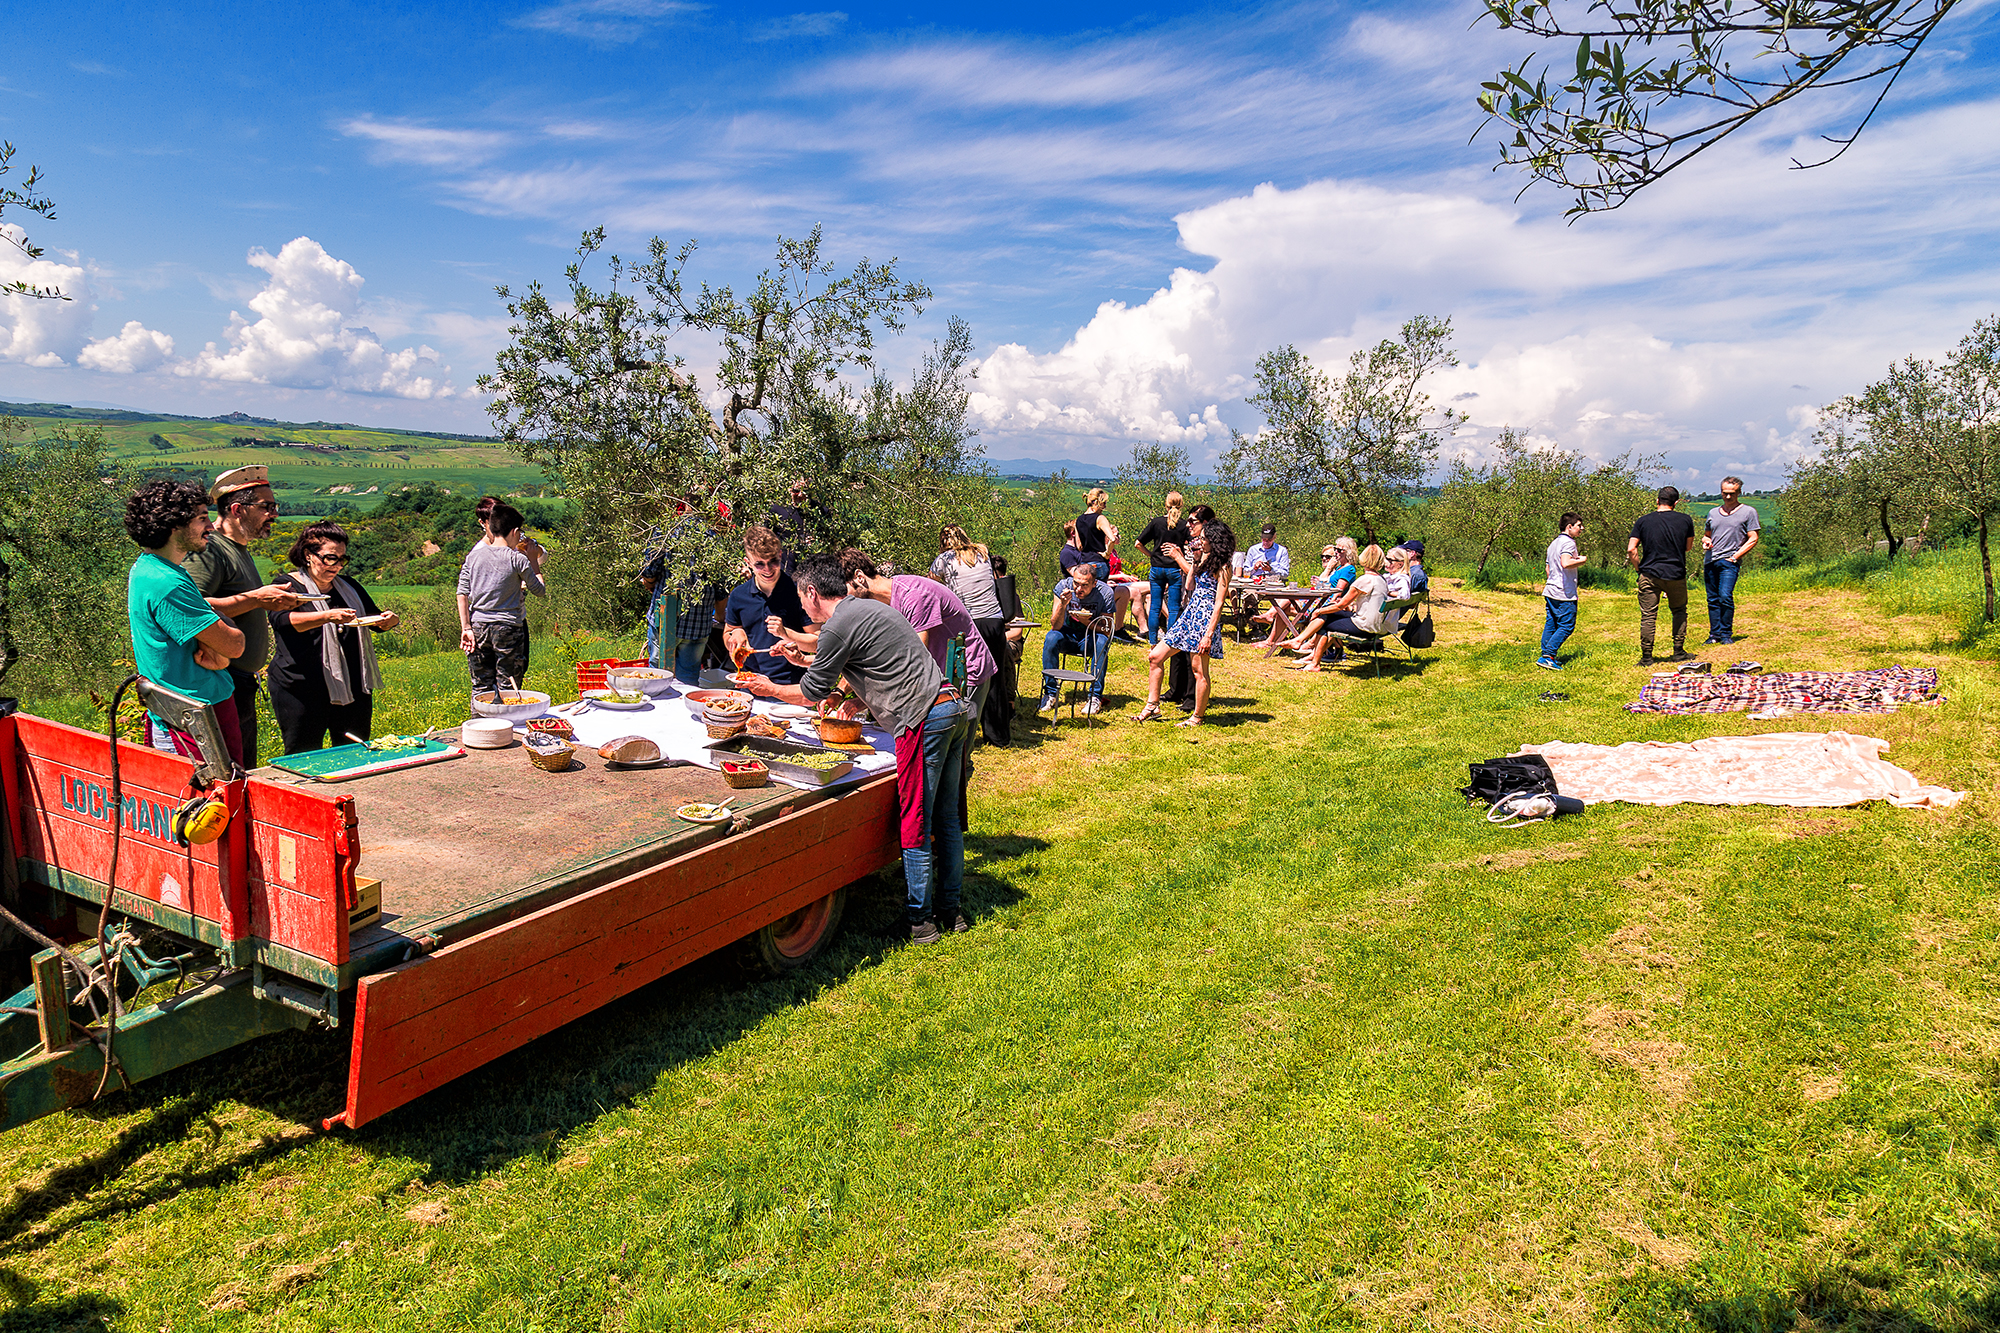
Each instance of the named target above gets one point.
<point>323,670</point>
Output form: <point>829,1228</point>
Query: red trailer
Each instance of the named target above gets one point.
<point>511,901</point>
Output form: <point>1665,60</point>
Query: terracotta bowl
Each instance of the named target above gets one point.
<point>840,730</point>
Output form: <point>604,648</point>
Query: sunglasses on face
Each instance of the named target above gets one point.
<point>330,558</point>
<point>767,564</point>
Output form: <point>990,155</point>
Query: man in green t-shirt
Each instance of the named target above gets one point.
<point>226,574</point>
<point>177,638</point>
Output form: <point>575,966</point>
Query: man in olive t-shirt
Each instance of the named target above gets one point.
<point>1659,546</point>
<point>226,574</point>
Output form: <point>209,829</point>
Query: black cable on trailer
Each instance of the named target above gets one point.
<point>105,960</point>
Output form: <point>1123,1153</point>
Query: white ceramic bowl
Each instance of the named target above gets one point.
<point>698,700</point>
<point>487,733</point>
<point>538,704</point>
<point>653,687</point>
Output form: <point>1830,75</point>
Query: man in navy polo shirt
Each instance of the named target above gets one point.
<point>763,607</point>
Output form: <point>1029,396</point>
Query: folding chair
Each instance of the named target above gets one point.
<point>1085,679</point>
<point>1373,644</point>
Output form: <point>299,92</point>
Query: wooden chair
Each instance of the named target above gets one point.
<point>1072,680</point>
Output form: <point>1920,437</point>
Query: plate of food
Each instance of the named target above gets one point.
<point>379,618</point>
<point>788,712</point>
<point>704,812</point>
<point>627,699</point>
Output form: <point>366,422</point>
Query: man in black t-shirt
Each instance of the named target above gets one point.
<point>1168,529</point>
<point>1659,546</point>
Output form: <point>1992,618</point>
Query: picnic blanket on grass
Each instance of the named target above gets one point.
<point>1882,690</point>
<point>1783,768</point>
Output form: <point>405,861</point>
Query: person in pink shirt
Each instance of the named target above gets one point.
<point>933,611</point>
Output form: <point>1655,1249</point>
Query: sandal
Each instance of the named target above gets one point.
<point>1150,713</point>
<point>1191,721</point>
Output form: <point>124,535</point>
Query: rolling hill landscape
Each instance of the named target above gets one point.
<point>311,462</point>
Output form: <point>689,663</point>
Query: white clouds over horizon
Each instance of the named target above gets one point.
<point>304,338</point>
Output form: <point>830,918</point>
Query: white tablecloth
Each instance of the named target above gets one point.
<point>682,735</point>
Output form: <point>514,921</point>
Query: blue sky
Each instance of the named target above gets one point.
<point>302,211</point>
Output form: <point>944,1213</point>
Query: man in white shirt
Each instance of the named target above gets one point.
<point>1559,566</point>
<point>1729,534</point>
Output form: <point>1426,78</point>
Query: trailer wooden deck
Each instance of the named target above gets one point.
<point>513,900</point>
<point>469,844</point>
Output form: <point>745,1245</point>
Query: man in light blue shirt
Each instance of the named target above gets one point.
<point>1080,599</point>
<point>1267,557</point>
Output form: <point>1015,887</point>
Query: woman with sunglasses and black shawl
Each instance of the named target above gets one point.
<point>323,671</point>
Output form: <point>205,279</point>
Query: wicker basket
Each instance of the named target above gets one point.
<point>550,759</point>
<point>722,731</point>
<point>753,774</point>
<point>550,726</point>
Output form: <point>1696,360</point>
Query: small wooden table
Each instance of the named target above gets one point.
<point>1249,596</point>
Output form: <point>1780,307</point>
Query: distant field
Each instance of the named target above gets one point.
<point>305,461</point>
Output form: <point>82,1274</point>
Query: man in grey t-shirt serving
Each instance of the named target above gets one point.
<point>1728,536</point>
<point>896,677</point>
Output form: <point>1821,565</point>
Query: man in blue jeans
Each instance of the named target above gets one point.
<point>874,647</point>
<point>1559,566</point>
<point>1729,534</point>
<point>1080,599</point>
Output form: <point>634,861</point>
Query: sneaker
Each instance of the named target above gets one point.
<point>1126,636</point>
<point>958,925</point>
<point>1048,708</point>
<point>1548,664</point>
<point>1337,653</point>
<point>1093,706</point>
<point>1185,705</point>
<point>1727,639</point>
<point>925,932</point>
<point>1645,659</point>
<point>1681,655</point>
<point>1713,639</point>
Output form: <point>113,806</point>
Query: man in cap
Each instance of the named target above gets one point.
<point>227,577</point>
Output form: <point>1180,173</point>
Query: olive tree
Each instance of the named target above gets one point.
<point>1354,446</point>
<point>1656,82</point>
<point>62,550</point>
<point>599,389</point>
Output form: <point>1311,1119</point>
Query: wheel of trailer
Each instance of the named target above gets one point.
<point>788,944</point>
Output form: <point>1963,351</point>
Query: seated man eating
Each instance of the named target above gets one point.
<point>1079,599</point>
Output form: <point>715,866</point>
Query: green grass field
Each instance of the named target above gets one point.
<point>1259,1026</point>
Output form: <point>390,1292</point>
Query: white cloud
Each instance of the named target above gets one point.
<point>34,331</point>
<point>133,350</point>
<point>1706,325</point>
<point>823,24</point>
<point>603,20</point>
<point>401,141</point>
<point>304,340</point>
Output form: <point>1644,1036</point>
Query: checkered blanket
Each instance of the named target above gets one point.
<point>1879,691</point>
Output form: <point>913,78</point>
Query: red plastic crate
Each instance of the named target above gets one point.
<point>590,675</point>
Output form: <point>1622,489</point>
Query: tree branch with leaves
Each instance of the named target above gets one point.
<point>26,198</point>
<point>1654,83</point>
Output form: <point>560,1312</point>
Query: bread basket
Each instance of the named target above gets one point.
<point>722,731</point>
<point>551,754</point>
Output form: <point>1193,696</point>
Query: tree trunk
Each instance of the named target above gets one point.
<point>1481,575</point>
<point>1986,564</point>
<point>1894,544</point>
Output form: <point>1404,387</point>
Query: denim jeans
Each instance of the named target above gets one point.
<point>1163,608</point>
<point>1558,625</point>
<point>930,766</point>
<point>1065,640</point>
<point>1720,576</point>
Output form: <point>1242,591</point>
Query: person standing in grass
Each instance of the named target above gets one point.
<point>1659,546</point>
<point>178,639</point>
<point>1198,633</point>
<point>499,571</point>
<point>1163,604</point>
<point>227,575</point>
<point>1559,566</point>
<point>1728,535</point>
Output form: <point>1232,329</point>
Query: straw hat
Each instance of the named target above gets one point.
<point>236,479</point>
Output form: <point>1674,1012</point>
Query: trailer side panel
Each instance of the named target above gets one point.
<point>422,1024</point>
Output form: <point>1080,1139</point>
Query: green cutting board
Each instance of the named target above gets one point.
<point>358,761</point>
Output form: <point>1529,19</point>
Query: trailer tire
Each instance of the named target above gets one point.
<point>788,944</point>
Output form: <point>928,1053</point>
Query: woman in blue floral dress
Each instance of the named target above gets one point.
<point>1198,631</point>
